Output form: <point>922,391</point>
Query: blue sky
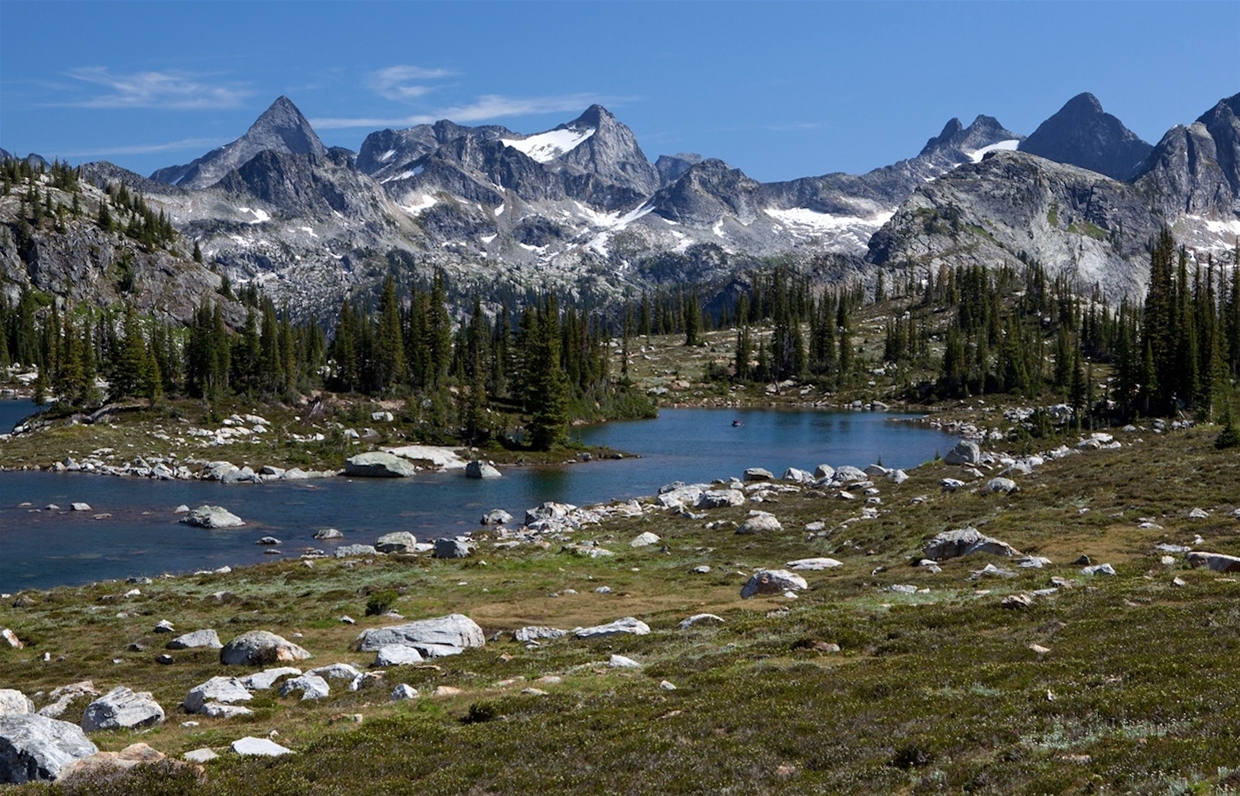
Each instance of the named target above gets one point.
<point>780,90</point>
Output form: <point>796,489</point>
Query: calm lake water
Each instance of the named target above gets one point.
<point>40,548</point>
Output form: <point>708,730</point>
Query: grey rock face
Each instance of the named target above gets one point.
<point>195,640</point>
<point>260,648</point>
<point>1081,134</point>
<point>35,748</point>
<point>212,517</point>
<point>453,630</point>
<point>122,708</point>
<point>379,465</point>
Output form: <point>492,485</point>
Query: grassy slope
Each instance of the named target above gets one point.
<point>931,692</point>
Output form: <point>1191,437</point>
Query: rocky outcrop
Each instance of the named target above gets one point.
<point>628,625</point>
<point>216,691</point>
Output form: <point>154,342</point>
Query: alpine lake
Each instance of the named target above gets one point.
<point>138,534</point>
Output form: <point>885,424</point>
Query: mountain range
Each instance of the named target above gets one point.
<point>580,208</point>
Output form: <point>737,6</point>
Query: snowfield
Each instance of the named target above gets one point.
<point>546,147</point>
<point>978,154</point>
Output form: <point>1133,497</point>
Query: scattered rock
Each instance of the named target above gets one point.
<point>950,484</point>
<point>621,662</point>
<point>35,748</point>
<point>10,639</point>
<point>403,691</point>
<point>1099,569</point>
<point>328,533</point>
<point>453,548</point>
<point>250,746</point>
<point>398,542</point>
<point>260,648</point>
<point>269,541</point>
<point>122,708</point>
<point>195,640</point>
<point>481,469</point>
<point>354,550</point>
<point>773,581</point>
<point>759,474</point>
<point>535,633</point>
<point>80,507</point>
<point>397,655</point>
<point>164,626</point>
<point>991,571</point>
<point>311,686</point>
<point>378,465</point>
<point>212,517</point>
<point>626,625</point>
<point>218,711</point>
<point>432,637</point>
<point>1214,561</point>
<point>685,624</point>
<point>14,703</point>
<point>760,522</point>
<point>225,690</point>
<point>645,540</point>
<point>814,564</point>
<point>1081,561</point>
<point>337,671</point>
<point>261,681</point>
<point>965,452</point>
<point>1004,485</point>
<point>719,498</point>
<point>963,542</point>
<point>496,517</point>
<point>1017,602</point>
<point>203,755</point>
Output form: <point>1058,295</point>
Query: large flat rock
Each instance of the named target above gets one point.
<point>453,630</point>
<point>36,748</point>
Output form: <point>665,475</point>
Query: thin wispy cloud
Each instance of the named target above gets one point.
<point>486,108</point>
<point>404,82</point>
<point>185,144</point>
<point>173,90</point>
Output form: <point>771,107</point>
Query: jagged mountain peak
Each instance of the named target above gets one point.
<point>281,128</point>
<point>985,131</point>
<point>1082,134</point>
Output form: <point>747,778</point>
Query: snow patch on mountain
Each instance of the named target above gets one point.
<point>404,175</point>
<point>260,215</point>
<point>419,207</point>
<point>546,147</point>
<point>976,155</point>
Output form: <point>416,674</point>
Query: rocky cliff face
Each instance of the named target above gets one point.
<point>78,262</point>
<point>1195,170</point>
